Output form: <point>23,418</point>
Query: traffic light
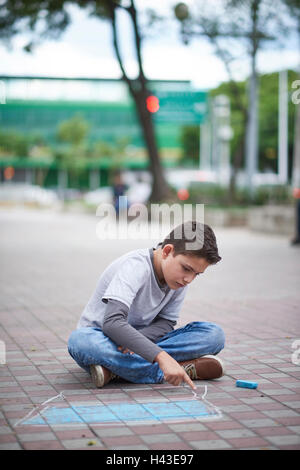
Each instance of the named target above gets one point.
<point>152,103</point>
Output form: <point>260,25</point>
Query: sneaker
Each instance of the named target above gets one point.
<point>204,368</point>
<point>100,375</point>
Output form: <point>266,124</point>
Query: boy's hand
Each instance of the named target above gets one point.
<point>173,372</point>
<point>125,350</point>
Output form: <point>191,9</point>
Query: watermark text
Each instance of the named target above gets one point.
<point>138,222</point>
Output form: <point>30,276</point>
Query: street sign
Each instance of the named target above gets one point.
<point>182,107</point>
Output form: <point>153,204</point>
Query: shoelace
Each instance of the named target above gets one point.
<point>190,369</point>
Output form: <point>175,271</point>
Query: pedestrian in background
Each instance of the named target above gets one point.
<point>119,189</point>
<point>296,240</point>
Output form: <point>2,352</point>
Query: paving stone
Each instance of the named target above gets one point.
<point>273,431</point>
<point>112,441</point>
<point>28,377</point>
<point>257,400</point>
<point>280,413</point>
<point>277,391</point>
<point>292,404</point>
<point>284,440</point>
<point>12,394</point>
<point>134,447</point>
<point>4,430</point>
<point>81,443</point>
<point>7,384</point>
<point>44,436</point>
<point>294,429</point>
<point>231,433</point>
<point>180,445</point>
<point>42,445</point>
<point>153,438</point>
<point>248,442</point>
<point>235,408</point>
<point>149,429</point>
<point>274,375</point>
<point>112,432</point>
<point>69,427</point>
<point>187,427</point>
<point>10,446</point>
<point>210,445</point>
<point>256,423</point>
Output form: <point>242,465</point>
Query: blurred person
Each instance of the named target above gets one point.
<point>119,189</point>
<point>296,240</point>
<point>127,327</point>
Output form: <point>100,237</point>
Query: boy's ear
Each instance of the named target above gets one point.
<point>167,249</point>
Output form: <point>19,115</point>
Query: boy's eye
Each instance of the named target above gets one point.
<point>189,270</point>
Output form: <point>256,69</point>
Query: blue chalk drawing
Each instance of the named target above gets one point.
<point>114,413</point>
<point>193,407</point>
<point>95,414</point>
<point>164,410</point>
<point>129,412</point>
<point>61,416</point>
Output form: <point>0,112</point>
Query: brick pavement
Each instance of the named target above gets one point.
<point>49,266</point>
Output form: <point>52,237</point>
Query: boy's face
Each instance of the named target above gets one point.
<point>180,270</point>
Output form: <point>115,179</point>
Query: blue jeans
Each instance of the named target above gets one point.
<point>91,346</point>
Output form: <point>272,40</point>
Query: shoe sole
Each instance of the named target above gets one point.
<point>210,367</point>
<point>97,376</point>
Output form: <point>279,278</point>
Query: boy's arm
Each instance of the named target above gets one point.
<point>158,328</point>
<point>116,327</point>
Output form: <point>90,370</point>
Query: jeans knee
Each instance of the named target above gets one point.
<point>71,340</point>
<point>218,338</point>
<point>77,342</point>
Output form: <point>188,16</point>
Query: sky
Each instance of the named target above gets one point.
<point>85,50</point>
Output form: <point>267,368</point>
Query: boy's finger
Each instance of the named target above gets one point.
<point>189,382</point>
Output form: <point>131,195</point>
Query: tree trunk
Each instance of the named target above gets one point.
<point>139,92</point>
<point>252,121</point>
<point>252,131</point>
<point>236,166</point>
<point>160,188</point>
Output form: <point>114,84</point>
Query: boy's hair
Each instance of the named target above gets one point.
<point>195,239</point>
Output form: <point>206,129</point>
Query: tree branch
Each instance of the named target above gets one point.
<point>137,36</point>
<point>112,7</point>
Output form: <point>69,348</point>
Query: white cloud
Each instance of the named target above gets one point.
<point>62,60</point>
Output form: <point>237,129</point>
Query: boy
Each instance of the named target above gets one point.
<point>127,327</point>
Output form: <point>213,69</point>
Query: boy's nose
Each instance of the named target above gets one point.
<point>188,279</point>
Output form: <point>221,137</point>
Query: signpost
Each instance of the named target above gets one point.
<point>185,107</point>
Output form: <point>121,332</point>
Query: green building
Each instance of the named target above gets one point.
<point>37,105</point>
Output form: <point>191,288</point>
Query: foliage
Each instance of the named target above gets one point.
<point>76,152</point>
<point>17,144</point>
<point>268,118</point>
<point>189,140</point>
<point>214,195</point>
<point>74,130</point>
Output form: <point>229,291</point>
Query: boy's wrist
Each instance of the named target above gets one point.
<point>161,356</point>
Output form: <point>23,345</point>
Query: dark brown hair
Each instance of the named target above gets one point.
<point>195,239</point>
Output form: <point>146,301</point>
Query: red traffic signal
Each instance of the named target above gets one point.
<point>152,103</point>
<point>183,194</point>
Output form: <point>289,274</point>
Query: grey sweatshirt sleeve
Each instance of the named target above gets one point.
<point>116,327</point>
<point>158,328</point>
